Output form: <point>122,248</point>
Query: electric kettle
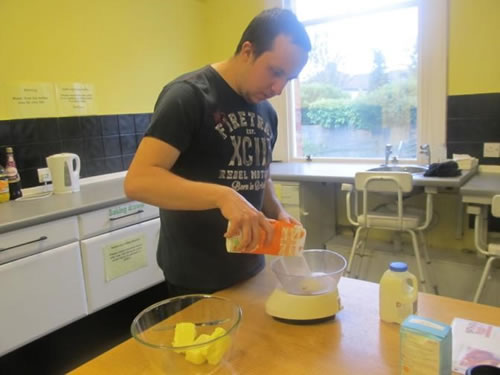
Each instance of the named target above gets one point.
<point>65,174</point>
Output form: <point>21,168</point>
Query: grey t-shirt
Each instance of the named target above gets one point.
<point>222,139</point>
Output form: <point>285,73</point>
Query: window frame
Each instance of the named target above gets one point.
<point>432,91</point>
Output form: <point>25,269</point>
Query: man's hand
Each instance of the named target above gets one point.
<point>245,220</point>
<point>285,216</point>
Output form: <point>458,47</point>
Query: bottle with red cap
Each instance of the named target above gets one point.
<point>13,175</point>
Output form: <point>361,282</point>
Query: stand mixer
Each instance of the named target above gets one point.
<point>308,286</point>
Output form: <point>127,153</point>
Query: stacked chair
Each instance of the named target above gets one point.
<point>414,222</point>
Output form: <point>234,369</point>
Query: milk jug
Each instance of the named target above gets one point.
<point>398,293</point>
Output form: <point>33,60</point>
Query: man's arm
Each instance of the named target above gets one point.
<point>150,180</point>
<point>272,207</point>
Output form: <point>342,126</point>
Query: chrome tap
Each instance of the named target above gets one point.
<point>426,150</point>
<point>388,152</point>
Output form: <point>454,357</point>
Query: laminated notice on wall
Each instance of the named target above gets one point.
<point>30,100</point>
<point>75,99</point>
<point>124,256</point>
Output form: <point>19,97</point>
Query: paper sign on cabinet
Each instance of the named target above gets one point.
<point>124,256</point>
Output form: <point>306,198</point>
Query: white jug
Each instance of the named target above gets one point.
<point>398,293</point>
<point>65,175</point>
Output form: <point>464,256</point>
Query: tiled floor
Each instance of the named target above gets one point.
<point>73,345</point>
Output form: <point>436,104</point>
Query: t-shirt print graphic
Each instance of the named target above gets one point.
<point>250,138</point>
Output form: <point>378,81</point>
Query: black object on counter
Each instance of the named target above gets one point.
<point>445,169</point>
<point>483,370</point>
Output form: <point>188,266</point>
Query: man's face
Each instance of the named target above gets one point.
<point>267,75</point>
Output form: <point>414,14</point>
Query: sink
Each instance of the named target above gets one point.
<point>413,169</point>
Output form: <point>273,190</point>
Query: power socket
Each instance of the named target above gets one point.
<point>491,150</point>
<point>44,175</point>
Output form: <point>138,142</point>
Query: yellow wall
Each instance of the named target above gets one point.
<point>226,20</point>
<point>474,51</point>
<point>128,49</point>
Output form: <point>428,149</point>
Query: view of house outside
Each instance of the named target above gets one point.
<point>358,91</point>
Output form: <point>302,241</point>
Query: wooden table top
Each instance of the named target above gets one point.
<point>355,342</point>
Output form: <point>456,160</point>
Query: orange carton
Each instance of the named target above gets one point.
<point>288,239</point>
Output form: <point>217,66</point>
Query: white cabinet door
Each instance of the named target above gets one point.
<point>39,294</point>
<point>120,263</point>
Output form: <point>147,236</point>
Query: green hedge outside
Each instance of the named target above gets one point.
<point>338,113</point>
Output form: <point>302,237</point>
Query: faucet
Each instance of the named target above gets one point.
<point>388,152</point>
<point>426,150</point>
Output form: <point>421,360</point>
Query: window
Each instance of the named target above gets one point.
<point>368,81</point>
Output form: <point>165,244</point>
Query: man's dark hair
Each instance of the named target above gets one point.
<point>270,23</point>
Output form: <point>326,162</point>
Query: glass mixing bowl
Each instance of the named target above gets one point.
<point>313,272</point>
<point>155,329</point>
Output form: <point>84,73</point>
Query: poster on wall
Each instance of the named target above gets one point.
<point>75,99</point>
<point>30,99</point>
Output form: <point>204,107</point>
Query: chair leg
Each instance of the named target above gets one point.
<point>424,247</point>
<point>355,244</point>
<point>483,278</point>
<point>362,251</point>
<point>397,242</point>
<point>417,258</point>
<point>430,274</point>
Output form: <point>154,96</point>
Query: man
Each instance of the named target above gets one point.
<point>204,159</point>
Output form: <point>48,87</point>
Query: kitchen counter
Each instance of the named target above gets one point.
<point>102,191</point>
<point>355,342</point>
<point>92,196</point>
<point>344,173</point>
<point>481,188</point>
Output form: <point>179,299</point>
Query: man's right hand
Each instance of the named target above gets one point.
<point>245,220</point>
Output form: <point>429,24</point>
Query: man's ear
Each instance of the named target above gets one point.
<point>247,50</point>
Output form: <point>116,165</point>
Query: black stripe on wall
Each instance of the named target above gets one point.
<point>473,120</point>
<point>105,144</point>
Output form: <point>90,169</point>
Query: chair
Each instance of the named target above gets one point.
<point>490,250</point>
<point>395,184</point>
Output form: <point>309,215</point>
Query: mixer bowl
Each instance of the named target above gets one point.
<point>315,271</point>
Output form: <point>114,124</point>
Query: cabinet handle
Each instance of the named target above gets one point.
<point>25,243</point>
<point>121,217</point>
